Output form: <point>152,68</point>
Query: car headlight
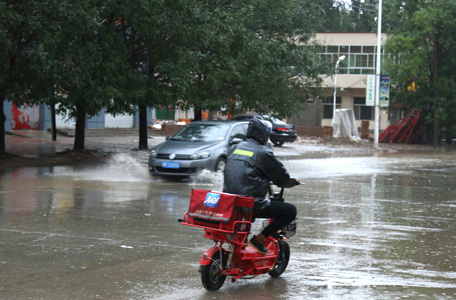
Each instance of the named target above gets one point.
<point>200,155</point>
<point>153,153</point>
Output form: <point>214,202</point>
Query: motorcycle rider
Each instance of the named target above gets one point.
<point>249,171</point>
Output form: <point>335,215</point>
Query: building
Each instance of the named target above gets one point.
<point>360,51</point>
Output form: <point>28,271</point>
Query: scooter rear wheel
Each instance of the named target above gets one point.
<point>211,275</point>
<point>282,260</point>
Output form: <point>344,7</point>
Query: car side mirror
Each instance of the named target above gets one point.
<point>236,141</point>
<point>168,137</point>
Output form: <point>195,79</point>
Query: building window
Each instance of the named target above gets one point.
<point>355,49</point>
<point>362,111</point>
<point>328,106</point>
<point>333,49</point>
<point>368,49</point>
<point>359,59</point>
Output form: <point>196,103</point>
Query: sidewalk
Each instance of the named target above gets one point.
<point>35,143</point>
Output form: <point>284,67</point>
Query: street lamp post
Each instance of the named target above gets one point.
<point>341,58</point>
<point>377,77</point>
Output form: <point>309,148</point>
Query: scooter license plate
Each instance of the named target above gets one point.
<point>171,164</point>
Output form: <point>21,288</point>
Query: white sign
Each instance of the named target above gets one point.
<point>370,90</point>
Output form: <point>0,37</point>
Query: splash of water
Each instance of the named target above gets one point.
<point>121,167</point>
<point>207,178</point>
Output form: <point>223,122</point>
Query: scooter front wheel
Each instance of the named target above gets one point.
<point>282,260</point>
<point>211,274</point>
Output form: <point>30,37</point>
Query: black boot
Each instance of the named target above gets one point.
<point>258,246</point>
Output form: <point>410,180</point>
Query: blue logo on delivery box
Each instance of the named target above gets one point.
<point>212,200</point>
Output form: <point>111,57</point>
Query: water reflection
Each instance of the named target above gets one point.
<point>381,225</point>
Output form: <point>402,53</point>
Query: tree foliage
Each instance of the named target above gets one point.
<point>252,58</point>
<point>89,62</point>
<point>338,16</point>
<point>422,74</point>
<point>153,34</point>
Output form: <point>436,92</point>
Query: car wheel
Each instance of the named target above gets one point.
<point>278,143</point>
<point>220,165</point>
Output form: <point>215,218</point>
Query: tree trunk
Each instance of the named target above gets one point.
<point>198,114</point>
<point>80,128</point>
<point>449,139</point>
<point>435,131</point>
<point>2,127</point>
<point>142,127</point>
<point>53,123</point>
<point>435,123</point>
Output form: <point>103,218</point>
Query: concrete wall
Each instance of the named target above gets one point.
<point>45,117</point>
<point>96,122</point>
<point>308,131</point>
<point>170,129</point>
<point>311,116</point>
<point>150,117</point>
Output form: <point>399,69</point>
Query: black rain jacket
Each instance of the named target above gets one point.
<point>252,166</point>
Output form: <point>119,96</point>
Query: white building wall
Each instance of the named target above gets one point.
<point>119,121</point>
<point>62,122</point>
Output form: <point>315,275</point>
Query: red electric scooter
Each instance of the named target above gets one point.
<point>227,220</point>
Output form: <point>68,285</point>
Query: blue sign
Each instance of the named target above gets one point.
<point>212,200</point>
<point>384,90</point>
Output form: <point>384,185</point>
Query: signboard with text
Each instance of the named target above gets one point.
<point>370,90</point>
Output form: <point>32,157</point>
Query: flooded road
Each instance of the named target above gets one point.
<point>372,226</point>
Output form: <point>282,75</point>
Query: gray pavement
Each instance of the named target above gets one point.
<point>371,226</point>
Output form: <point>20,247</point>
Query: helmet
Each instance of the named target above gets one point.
<point>268,125</point>
<point>259,130</point>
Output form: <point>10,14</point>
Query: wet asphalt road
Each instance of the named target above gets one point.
<point>371,226</point>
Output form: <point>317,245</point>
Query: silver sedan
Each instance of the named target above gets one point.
<point>199,145</point>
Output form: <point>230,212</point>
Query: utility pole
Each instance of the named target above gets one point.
<point>377,77</point>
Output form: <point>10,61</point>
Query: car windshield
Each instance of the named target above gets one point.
<point>202,133</point>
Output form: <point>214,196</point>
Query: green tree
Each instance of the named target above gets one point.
<point>397,14</point>
<point>423,58</point>
<point>279,69</point>
<point>251,56</point>
<point>335,16</point>
<point>364,15</point>
<point>155,35</point>
<point>85,59</point>
<point>20,61</point>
